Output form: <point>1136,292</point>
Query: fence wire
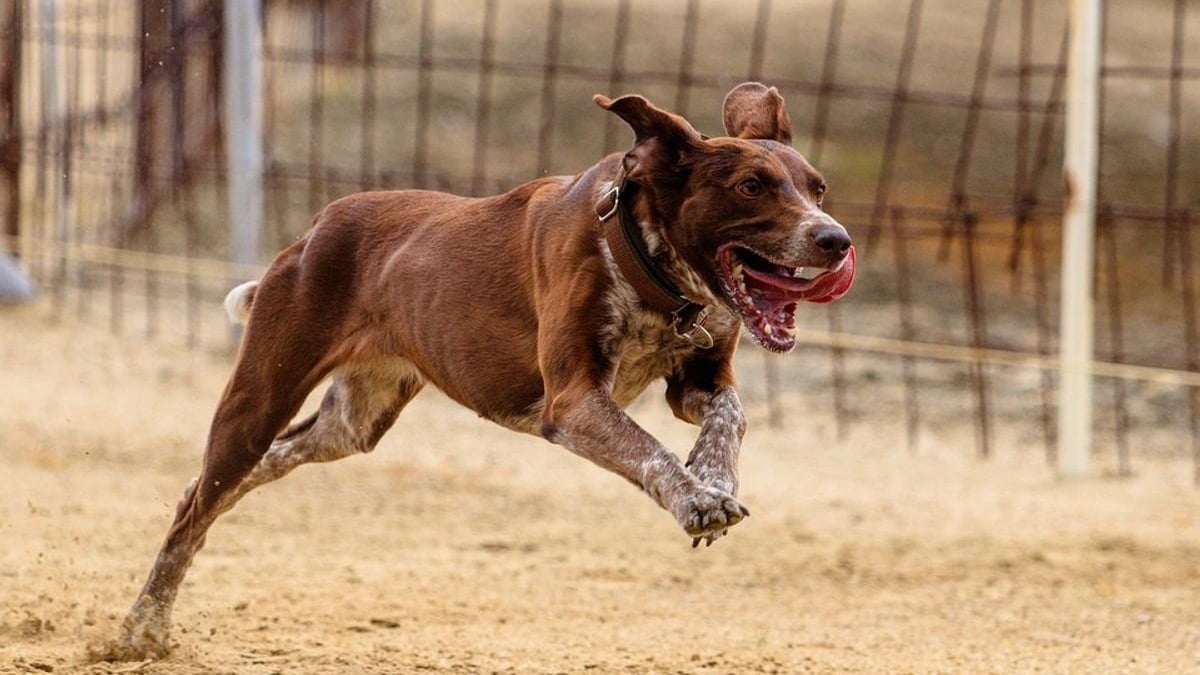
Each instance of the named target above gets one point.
<point>937,123</point>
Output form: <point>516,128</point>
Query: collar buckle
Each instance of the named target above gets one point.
<point>695,333</point>
<point>614,193</point>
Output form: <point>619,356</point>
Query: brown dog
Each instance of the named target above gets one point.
<point>546,309</point>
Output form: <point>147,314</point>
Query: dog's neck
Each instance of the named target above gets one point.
<point>673,266</point>
<point>649,265</point>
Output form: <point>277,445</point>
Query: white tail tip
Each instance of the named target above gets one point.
<point>237,303</point>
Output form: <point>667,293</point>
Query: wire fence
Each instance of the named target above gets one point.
<point>937,124</point>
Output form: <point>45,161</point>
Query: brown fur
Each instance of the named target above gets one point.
<point>512,306</point>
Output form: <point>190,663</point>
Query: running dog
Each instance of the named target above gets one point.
<point>546,309</point>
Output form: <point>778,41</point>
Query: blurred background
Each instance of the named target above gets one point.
<point>938,124</point>
<point>900,465</point>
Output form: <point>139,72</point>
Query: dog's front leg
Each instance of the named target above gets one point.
<point>586,420</point>
<point>697,397</point>
<point>714,457</point>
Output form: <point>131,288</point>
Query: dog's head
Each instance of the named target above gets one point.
<point>744,211</point>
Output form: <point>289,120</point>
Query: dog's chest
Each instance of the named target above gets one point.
<point>642,344</point>
<point>646,349</point>
<point>644,352</point>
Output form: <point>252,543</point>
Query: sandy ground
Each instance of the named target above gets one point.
<point>458,547</point>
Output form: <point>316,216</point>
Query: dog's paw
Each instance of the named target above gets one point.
<point>144,634</point>
<point>136,644</point>
<point>708,513</point>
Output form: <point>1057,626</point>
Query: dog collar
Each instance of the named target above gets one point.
<point>633,259</point>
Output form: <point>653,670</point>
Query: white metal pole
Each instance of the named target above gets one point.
<point>54,99</point>
<point>1080,173</point>
<point>244,128</point>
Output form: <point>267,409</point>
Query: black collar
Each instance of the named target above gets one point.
<point>632,257</point>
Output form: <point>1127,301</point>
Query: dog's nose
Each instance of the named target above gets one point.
<point>832,239</point>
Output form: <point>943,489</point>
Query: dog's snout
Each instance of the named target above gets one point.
<point>832,239</point>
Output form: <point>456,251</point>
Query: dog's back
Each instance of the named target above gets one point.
<point>461,276</point>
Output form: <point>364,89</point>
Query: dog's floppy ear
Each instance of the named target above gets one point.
<point>662,138</point>
<point>753,110</point>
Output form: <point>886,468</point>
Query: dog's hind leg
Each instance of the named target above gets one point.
<point>296,336</point>
<point>361,404</point>
<point>279,365</point>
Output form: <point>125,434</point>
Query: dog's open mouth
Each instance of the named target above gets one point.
<point>765,293</point>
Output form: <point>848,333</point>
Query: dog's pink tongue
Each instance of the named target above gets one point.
<point>830,287</point>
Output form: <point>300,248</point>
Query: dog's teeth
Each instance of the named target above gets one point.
<point>739,279</point>
<point>767,328</point>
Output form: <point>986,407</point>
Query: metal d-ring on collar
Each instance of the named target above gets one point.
<point>614,193</point>
<point>636,265</point>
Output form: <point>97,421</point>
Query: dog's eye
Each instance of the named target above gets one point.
<point>820,192</point>
<point>751,187</point>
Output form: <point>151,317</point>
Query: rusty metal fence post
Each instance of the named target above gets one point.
<point>11,26</point>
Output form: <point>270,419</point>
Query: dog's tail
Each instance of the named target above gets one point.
<point>237,303</point>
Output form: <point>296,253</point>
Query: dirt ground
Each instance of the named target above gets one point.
<point>459,547</point>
